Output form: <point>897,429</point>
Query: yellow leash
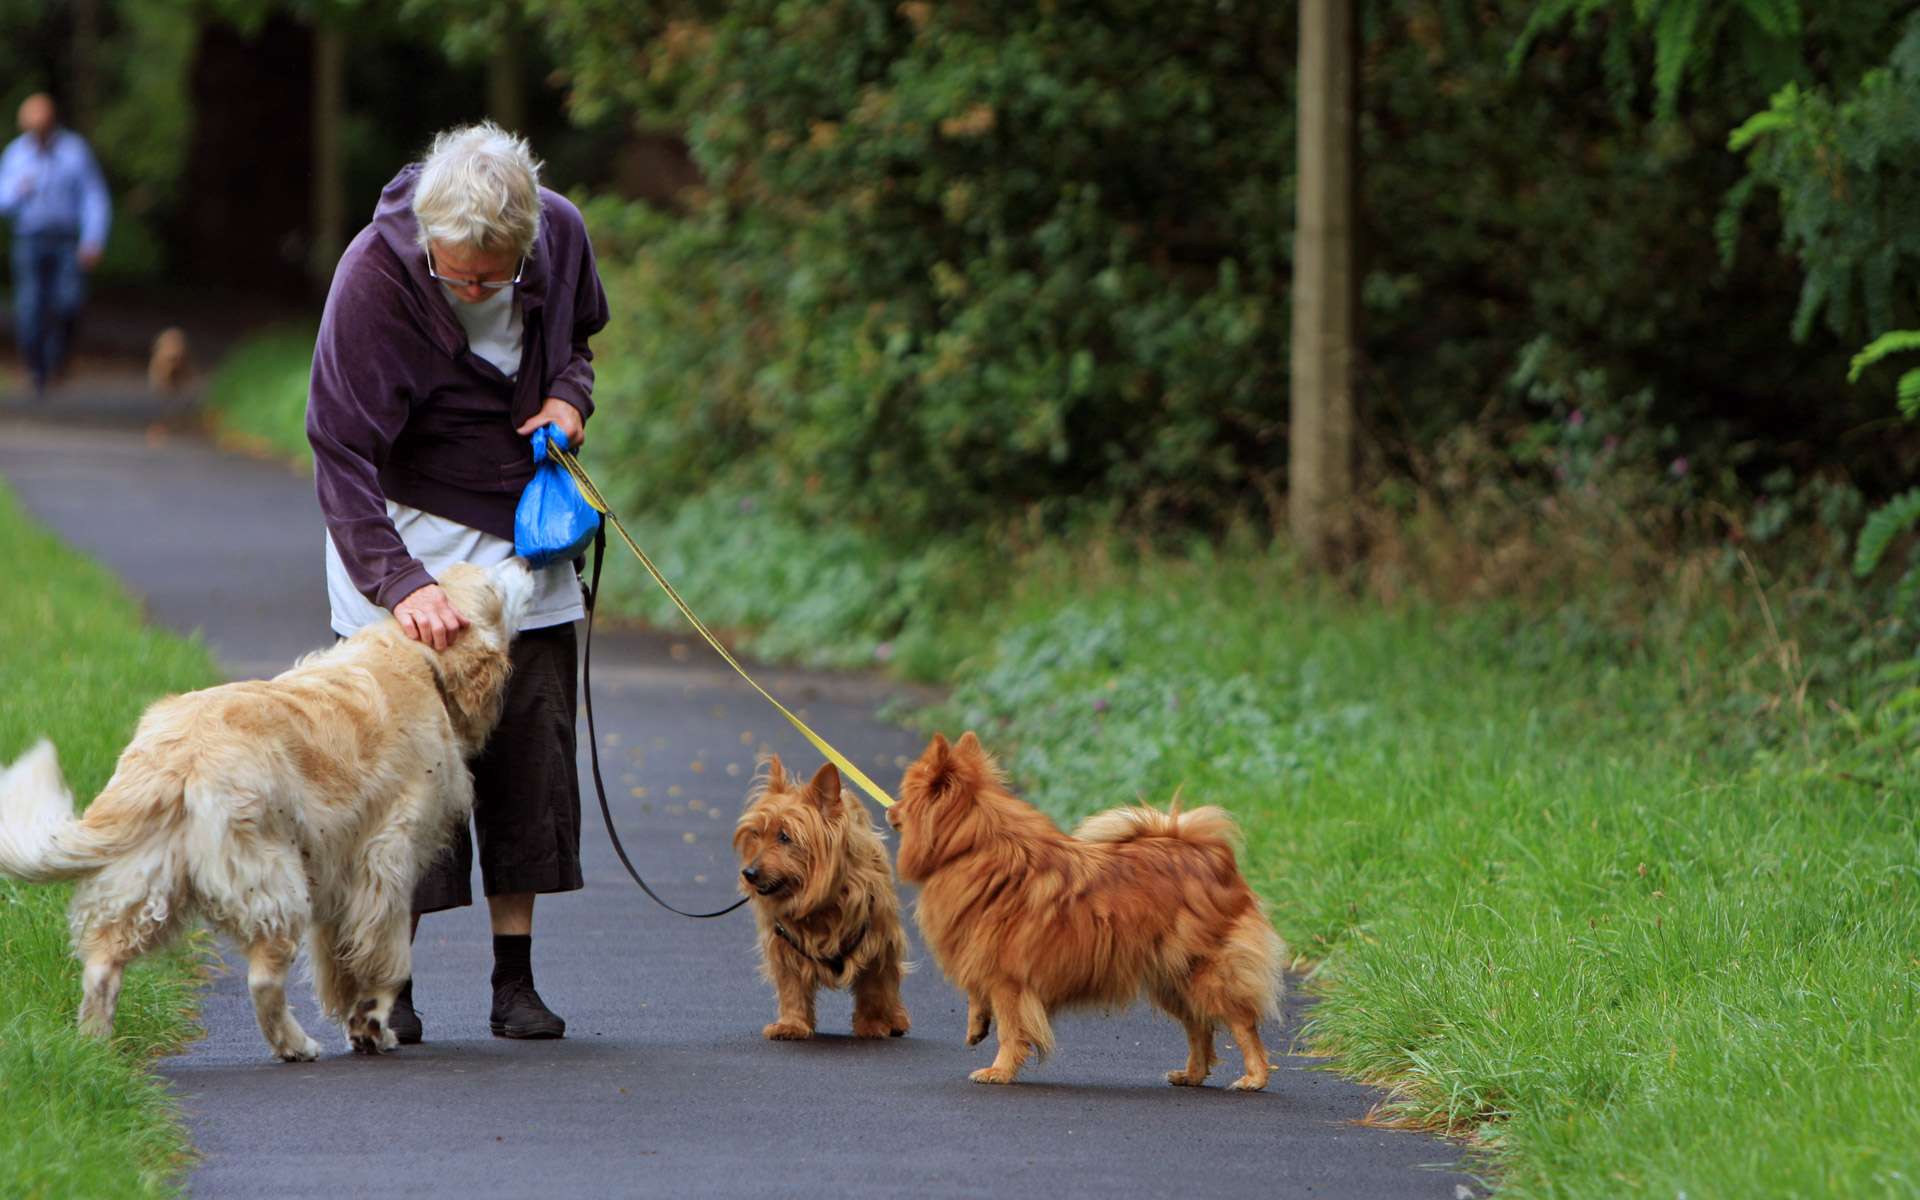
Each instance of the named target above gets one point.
<point>599,502</point>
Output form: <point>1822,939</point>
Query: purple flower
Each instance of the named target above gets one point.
<point>746,504</point>
<point>1678,468</point>
<point>1100,704</point>
<point>1577,418</point>
<point>883,652</point>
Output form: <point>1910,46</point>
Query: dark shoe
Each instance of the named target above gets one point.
<point>518,1012</point>
<point>404,1020</point>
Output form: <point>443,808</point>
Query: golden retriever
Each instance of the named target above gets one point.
<point>824,899</point>
<point>1027,920</point>
<point>302,806</point>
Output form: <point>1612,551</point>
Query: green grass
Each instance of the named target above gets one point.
<point>79,1117</point>
<point>257,398</point>
<point>1553,904</point>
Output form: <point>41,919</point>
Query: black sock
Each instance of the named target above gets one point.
<point>405,995</point>
<point>512,957</point>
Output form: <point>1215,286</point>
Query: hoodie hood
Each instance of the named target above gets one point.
<point>399,230</point>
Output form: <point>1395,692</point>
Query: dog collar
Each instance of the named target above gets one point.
<point>838,962</point>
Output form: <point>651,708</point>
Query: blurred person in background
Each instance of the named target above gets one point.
<point>52,190</point>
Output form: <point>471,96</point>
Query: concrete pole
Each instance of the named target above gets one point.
<point>1320,440</point>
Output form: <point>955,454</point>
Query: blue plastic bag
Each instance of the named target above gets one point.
<point>554,522</point>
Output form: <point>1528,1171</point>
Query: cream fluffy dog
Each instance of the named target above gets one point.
<point>302,806</point>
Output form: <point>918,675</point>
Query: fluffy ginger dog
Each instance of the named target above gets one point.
<point>1027,920</point>
<point>824,899</point>
<point>302,806</point>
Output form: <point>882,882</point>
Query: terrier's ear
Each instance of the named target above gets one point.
<point>938,751</point>
<point>969,747</point>
<point>776,774</point>
<point>824,791</point>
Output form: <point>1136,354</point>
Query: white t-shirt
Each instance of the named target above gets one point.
<point>494,328</point>
<point>494,331</point>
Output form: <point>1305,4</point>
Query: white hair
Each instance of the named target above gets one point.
<point>479,187</point>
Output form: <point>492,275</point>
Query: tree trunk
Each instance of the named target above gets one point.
<point>83,103</point>
<point>1320,439</point>
<point>506,85</point>
<point>329,161</point>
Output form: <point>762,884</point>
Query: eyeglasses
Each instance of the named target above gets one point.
<point>492,285</point>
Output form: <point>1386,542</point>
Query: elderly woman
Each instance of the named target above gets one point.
<point>457,324</point>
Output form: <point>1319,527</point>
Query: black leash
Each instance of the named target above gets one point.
<point>593,742</point>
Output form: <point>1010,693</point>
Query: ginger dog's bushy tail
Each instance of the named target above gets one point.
<point>41,840</point>
<point>1203,826</point>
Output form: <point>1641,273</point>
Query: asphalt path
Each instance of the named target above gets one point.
<point>663,1085</point>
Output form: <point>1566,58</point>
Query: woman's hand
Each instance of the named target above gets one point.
<point>558,412</point>
<point>427,616</point>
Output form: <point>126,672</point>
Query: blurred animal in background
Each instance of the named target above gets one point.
<point>169,368</point>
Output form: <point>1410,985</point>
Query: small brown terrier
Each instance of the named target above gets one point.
<point>823,896</point>
<point>1027,920</point>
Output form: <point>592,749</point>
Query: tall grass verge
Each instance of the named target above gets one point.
<point>80,1117</point>
<point>256,400</point>
<point>1558,899</point>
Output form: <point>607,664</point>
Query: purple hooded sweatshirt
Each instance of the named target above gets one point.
<point>401,409</point>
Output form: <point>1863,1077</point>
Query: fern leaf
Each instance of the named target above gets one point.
<point>1896,342</point>
<point>1757,126</point>
<point>1673,49</point>
<point>1888,522</point>
<point>1909,391</point>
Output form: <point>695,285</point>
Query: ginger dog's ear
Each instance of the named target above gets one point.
<point>776,774</point>
<point>824,790</point>
<point>969,747</point>
<point>938,753</point>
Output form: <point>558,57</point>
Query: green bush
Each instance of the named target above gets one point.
<point>959,262</point>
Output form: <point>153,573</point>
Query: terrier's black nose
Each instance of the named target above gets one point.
<point>751,874</point>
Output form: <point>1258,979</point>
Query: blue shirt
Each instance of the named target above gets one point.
<point>55,188</point>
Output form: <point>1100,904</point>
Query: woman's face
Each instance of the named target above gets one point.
<point>462,269</point>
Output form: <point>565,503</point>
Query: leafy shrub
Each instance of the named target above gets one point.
<point>961,261</point>
<point>1849,190</point>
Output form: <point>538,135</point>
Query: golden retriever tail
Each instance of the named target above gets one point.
<point>1206,826</point>
<point>41,840</point>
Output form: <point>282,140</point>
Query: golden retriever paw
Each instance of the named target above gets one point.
<point>1248,1083</point>
<point>307,1051</point>
<point>788,1031</point>
<point>992,1075</point>
<point>873,1027</point>
<point>1185,1078</point>
<point>368,1034</point>
<point>373,1041</point>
